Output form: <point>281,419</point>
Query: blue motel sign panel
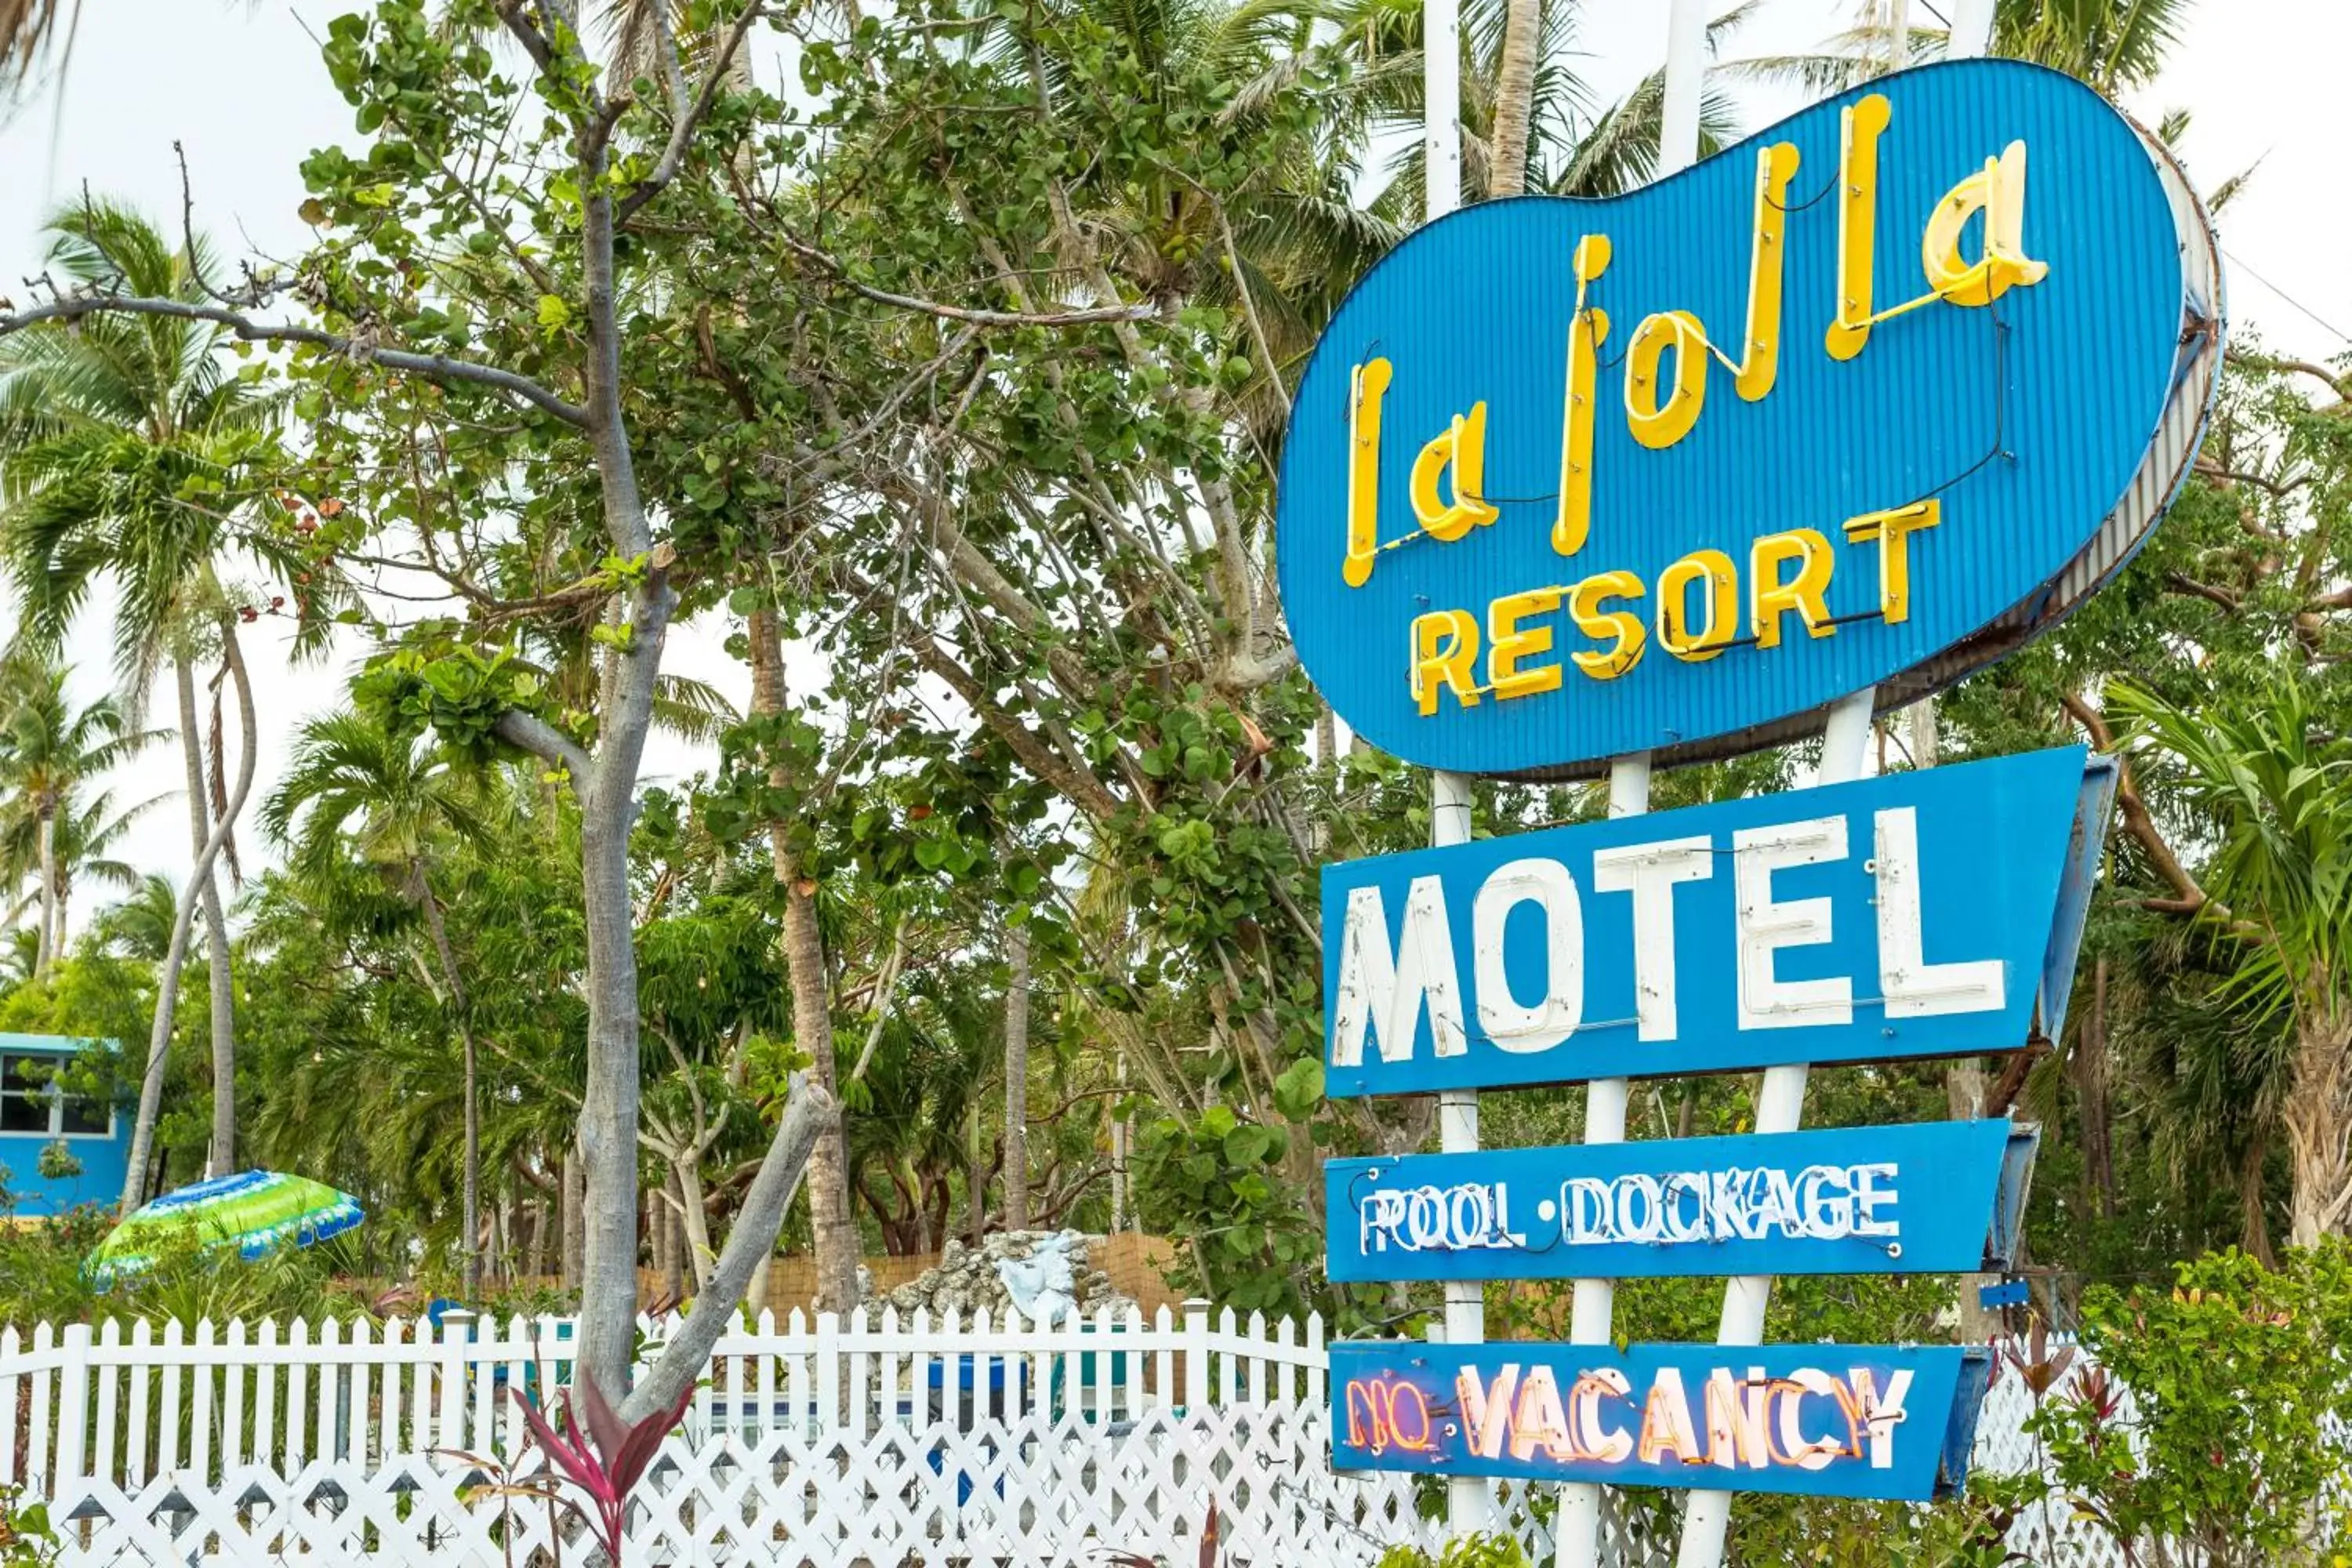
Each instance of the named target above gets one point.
<point>1927,913</point>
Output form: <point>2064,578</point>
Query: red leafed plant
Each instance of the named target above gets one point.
<point>599,1454</point>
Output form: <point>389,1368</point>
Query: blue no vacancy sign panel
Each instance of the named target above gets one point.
<point>1935,1198</point>
<point>1863,1421</point>
<point>1916,914</point>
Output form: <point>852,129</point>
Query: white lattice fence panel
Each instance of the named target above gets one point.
<point>1036,1491</point>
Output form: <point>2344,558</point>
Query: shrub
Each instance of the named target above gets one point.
<point>2232,1377</point>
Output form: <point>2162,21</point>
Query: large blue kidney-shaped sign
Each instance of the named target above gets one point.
<point>1871,398</point>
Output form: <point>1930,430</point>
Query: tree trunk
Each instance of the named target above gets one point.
<point>221,1154</point>
<point>1515,92</point>
<point>46,951</point>
<point>219,978</point>
<point>1016,1078</point>
<point>2318,1124</point>
<point>1119,1149</point>
<point>976,1180</point>
<point>829,1166</point>
<point>926,1239</point>
<point>662,1223</point>
<point>609,1101</point>
<point>575,1217</point>
<point>807,1111</point>
<point>176,958</point>
<point>1964,1092</point>
<point>437,929</point>
<point>2253,1209</point>
<point>2091,1102</point>
<point>694,1219</point>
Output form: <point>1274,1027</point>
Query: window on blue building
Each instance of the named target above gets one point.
<point>23,1095</point>
<point>32,1101</point>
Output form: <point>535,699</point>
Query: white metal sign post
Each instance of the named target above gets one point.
<point>1578,1532</point>
<point>1779,1108</point>
<point>1469,1501</point>
<point>1846,752</point>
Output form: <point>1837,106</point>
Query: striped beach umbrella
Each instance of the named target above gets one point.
<point>257,1212</point>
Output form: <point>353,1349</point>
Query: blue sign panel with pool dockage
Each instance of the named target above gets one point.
<point>1940,1197</point>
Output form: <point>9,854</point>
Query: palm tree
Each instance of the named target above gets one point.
<point>2275,792</point>
<point>49,753</point>
<point>1528,122</point>
<point>2116,46</point>
<point>85,841</point>
<point>399,807</point>
<point>126,448</point>
<point>140,926</point>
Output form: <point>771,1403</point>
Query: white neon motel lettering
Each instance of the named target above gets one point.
<point>1767,925</point>
<point>1915,988</point>
<point>1809,1419</point>
<point>1649,872</point>
<point>1385,988</point>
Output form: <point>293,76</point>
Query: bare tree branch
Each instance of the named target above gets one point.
<point>431,367</point>
<point>2182,582</point>
<point>544,741</point>
<point>681,131</point>
<point>2190,897</point>
<point>1141,312</point>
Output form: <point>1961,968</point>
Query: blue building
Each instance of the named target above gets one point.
<point>38,1115</point>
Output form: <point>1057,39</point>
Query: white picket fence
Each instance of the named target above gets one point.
<point>829,1443</point>
<point>872,1441</point>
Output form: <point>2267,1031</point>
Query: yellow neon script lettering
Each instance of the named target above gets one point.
<point>1806,592</point>
<point>1859,130</point>
<point>1445,651</point>
<point>1508,643</point>
<point>1462,447</point>
<point>1367,387</point>
<point>1660,415</point>
<point>1998,191</point>
<point>1714,570</point>
<point>1892,532</point>
<point>1759,361</point>
<point>1587,331</point>
<point>1623,629</point>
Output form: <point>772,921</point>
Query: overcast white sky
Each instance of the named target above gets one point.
<point>245,92</point>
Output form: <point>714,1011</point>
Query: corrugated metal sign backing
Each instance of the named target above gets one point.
<point>2053,426</point>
